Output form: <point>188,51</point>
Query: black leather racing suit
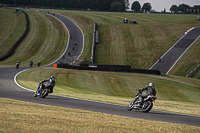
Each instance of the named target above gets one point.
<point>150,91</point>
<point>50,83</point>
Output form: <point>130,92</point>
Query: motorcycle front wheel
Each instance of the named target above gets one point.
<point>147,106</point>
<point>130,105</point>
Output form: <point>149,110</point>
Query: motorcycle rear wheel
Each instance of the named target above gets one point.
<point>147,106</point>
<point>44,93</point>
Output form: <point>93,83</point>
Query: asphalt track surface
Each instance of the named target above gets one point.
<point>169,59</point>
<point>9,89</point>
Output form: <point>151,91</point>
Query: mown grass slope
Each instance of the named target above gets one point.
<point>138,45</point>
<point>118,88</point>
<point>45,42</point>
<point>12,27</point>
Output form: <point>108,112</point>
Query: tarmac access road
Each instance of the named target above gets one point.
<point>169,59</point>
<point>10,89</point>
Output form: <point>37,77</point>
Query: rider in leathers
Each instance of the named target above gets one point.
<point>150,91</point>
<point>50,84</point>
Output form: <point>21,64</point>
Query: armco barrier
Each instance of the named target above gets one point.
<point>94,42</point>
<point>111,68</point>
<point>193,71</point>
<point>11,51</point>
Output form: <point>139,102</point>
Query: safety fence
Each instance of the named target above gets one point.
<point>193,71</point>
<point>11,51</point>
<point>111,68</point>
<point>94,42</point>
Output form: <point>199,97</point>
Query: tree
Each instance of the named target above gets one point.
<point>117,6</point>
<point>136,6</point>
<point>174,9</point>
<point>183,8</point>
<point>146,7</point>
<point>126,4</point>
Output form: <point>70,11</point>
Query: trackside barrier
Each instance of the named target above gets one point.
<point>192,72</point>
<point>111,68</point>
<point>94,42</point>
<point>11,51</point>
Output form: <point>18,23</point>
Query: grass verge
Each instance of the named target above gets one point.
<point>31,117</point>
<point>173,94</point>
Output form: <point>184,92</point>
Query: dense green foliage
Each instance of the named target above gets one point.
<point>103,5</point>
<point>184,8</point>
<point>136,6</point>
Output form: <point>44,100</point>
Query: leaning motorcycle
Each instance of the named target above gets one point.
<point>146,105</point>
<point>42,91</point>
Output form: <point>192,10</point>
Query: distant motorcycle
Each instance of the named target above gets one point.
<point>17,65</point>
<point>146,105</point>
<point>42,91</point>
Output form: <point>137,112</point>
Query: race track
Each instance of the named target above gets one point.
<point>9,89</point>
<point>169,59</point>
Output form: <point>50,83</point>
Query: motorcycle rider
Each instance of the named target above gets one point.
<point>150,90</point>
<point>50,84</point>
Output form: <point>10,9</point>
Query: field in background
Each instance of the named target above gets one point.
<point>138,45</point>
<point>45,42</point>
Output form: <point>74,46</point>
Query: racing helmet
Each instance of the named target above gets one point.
<point>52,77</point>
<point>151,84</point>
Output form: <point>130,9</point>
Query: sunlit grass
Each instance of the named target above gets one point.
<point>31,117</point>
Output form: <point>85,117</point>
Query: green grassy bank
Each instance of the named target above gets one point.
<point>12,27</point>
<point>139,45</point>
<point>45,42</point>
<point>174,94</point>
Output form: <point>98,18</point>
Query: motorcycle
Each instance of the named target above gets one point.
<point>42,91</point>
<point>17,65</point>
<point>146,105</point>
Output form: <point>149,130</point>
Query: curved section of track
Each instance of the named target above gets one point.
<point>169,59</point>
<point>8,89</point>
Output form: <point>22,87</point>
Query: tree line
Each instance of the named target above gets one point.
<point>136,7</point>
<point>186,9</point>
<point>182,8</point>
<point>102,5</point>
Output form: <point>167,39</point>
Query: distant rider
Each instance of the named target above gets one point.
<point>17,64</point>
<point>31,63</point>
<point>50,84</point>
<point>150,90</point>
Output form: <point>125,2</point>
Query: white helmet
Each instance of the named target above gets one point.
<point>151,84</point>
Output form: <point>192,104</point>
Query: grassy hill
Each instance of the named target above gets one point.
<point>142,43</point>
<point>125,44</point>
<point>174,93</point>
<point>12,27</point>
<point>45,42</point>
<point>137,45</point>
